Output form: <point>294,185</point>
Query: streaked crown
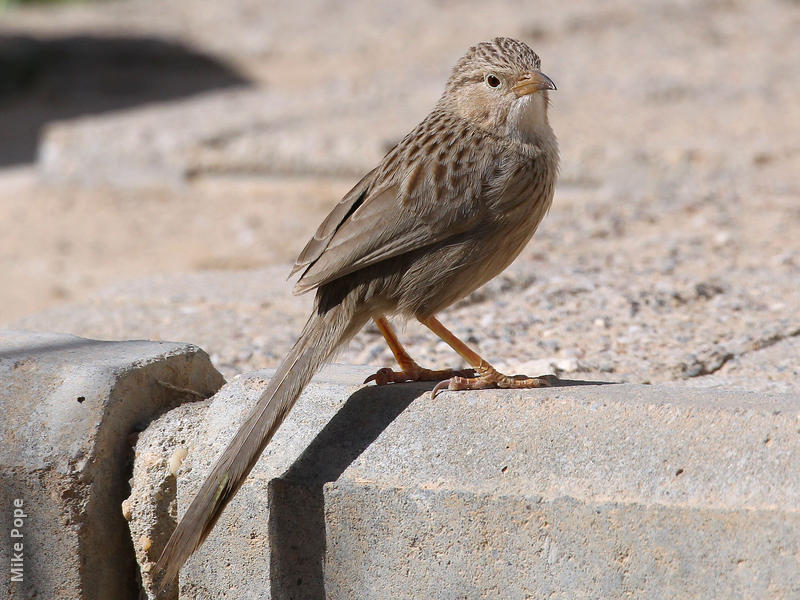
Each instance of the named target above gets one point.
<point>501,54</point>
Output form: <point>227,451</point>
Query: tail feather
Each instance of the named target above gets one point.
<point>321,336</point>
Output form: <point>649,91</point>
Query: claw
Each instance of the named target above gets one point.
<point>439,387</point>
<point>372,377</point>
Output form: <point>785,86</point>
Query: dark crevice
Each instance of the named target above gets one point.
<point>715,362</point>
<point>772,340</point>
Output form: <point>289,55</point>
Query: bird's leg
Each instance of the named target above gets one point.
<point>409,369</point>
<point>486,375</point>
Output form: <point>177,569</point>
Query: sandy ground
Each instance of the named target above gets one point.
<point>66,243</point>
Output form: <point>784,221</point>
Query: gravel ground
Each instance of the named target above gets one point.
<point>671,252</point>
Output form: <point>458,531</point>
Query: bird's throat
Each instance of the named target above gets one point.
<point>527,120</point>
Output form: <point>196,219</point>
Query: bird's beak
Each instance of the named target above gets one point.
<point>535,81</point>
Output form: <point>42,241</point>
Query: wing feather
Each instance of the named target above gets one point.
<point>387,215</point>
<point>322,237</point>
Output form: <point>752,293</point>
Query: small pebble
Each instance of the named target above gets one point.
<point>176,460</point>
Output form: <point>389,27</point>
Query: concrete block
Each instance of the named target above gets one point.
<point>589,491</point>
<point>234,561</point>
<point>250,132</point>
<point>69,407</point>
<point>580,491</point>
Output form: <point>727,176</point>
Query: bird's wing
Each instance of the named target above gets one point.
<point>322,237</point>
<point>435,199</point>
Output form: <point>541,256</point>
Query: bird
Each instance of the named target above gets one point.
<point>446,210</point>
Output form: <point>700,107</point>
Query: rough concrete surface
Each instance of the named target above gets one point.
<point>233,558</point>
<point>584,492</point>
<point>69,406</point>
<point>606,491</point>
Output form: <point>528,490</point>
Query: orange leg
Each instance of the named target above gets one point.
<point>410,370</point>
<point>487,375</point>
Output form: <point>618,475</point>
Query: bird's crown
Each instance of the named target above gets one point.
<point>501,53</point>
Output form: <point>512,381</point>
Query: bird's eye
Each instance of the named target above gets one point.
<point>492,81</point>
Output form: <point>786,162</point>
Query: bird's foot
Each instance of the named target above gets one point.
<point>413,372</point>
<point>488,377</point>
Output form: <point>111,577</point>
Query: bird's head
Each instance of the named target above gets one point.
<point>499,87</point>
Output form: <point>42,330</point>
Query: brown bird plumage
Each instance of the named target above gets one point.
<point>446,210</point>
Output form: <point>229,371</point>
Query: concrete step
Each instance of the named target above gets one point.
<point>69,407</point>
<point>582,490</point>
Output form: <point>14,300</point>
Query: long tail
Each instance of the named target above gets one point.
<point>321,336</point>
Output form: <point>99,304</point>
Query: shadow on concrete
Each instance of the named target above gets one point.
<point>297,515</point>
<point>296,501</point>
<point>576,382</point>
<point>44,80</point>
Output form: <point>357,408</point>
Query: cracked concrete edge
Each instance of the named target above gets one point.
<point>70,407</point>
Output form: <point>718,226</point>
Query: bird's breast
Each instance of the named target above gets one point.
<point>523,202</point>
